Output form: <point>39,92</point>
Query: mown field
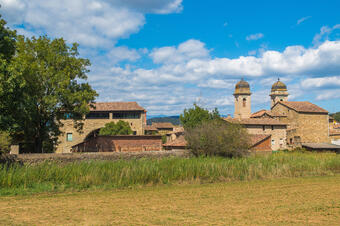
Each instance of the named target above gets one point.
<point>94,175</point>
<point>285,201</point>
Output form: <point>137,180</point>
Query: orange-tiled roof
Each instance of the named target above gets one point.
<point>257,138</point>
<point>150,128</point>
<point>179,142</point>
<point>302,106</point>
<point>256,121</point>
<point>260,113</point>
<point>162,125</point>
<point>117,106</point>
<point>334,132</point>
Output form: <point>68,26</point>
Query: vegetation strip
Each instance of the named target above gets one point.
<point>51,177</point>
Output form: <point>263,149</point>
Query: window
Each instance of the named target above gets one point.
<point>272,127</point>
<point>263,128</point>
<point>273,142</point>
<point>98,115</point>
<point>69,137</point>
<point>126,115</point>
<point>244,102</point>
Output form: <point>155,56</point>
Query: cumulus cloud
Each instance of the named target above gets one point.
<point>96,23</point>
<point>326,82</point>
<point>254,37</point>
<point>191,49</point>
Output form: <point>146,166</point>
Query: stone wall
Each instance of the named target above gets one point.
<point>120,144</point>
<point>277,132</point>
<point>242,111</point>
<point>90,125</point>
<point>304,127</point>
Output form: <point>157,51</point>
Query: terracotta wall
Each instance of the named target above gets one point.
<point>264,145</point>
<point>120,144</point>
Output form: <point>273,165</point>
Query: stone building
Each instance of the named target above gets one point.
<point>265,126</point>
<point>163,128</point>
<point>102,113</point>
<point>242,100</point>
<point>303,121</point>
<point>307,122</point>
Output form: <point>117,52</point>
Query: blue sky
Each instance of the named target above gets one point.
<point>167,54</point>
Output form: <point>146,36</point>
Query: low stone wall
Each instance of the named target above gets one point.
<point>111,156</point>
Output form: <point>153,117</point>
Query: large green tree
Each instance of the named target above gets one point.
<point>195,116</point>
<point>45,81</point>
<point>119,128</point>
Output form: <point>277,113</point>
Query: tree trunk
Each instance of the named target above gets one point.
<point>38,145</point>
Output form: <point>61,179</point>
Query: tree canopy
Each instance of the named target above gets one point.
<point>336,116</point>
<point>44,80</point>
<point>119,128</point>
<point>193,117</point>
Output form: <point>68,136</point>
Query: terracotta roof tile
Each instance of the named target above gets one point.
<point>303,106</point>
<point>334,132</point>
<point>117,106</point>
<point>260,113</point>
<point>257,138</point>
<point>162,125</point>
<point>150,128</point>
<point>256,121</point>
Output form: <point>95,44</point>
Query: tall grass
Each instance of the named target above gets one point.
<point>119,174</point>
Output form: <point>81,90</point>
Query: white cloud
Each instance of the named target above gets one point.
<point>329,94</point>
<point>325,31</point>
<point>96,23</point>
<point>254,37</point>
<point>299,21</point>
<point>191,49</point>
<point>326,82</point>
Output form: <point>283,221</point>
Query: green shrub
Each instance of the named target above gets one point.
<point>217,137</point>
<point>119,128</point>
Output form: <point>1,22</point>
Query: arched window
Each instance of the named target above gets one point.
<point>244,102</point>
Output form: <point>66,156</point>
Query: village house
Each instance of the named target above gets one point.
<point>289,123</point>
<point>101,114</point>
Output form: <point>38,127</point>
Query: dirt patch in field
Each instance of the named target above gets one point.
<point>298,201</point>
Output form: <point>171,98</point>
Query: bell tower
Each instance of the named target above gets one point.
<point>242,100</point>
<point>278,93</point>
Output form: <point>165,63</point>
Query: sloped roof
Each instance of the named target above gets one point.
<point>321,146</point>
<point>260,113</point>
<point>302,106</point>
<point>163,125</point>
<point>257,138</point>
<point>150,128</point>
<point>179,142</point>
<point>256,121</point>
<point>117,106</point>
<point>334,132</point>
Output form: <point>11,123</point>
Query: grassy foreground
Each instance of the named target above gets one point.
<point>285,201</point>
<point>47,177</point>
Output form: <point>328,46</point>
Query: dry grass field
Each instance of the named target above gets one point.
<point>286,201</point>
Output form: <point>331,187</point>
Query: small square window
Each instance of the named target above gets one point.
<point>69,137</point>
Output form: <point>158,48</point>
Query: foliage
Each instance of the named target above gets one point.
<point>5,142</point>
<point>174,120</point>
<point>45,80</point>
<point>119,128</point>
<point>54,176</point>
<point>336,116</point>
<point>217,137</point>
<point>193,117</point>
<point>164,139</point>
<point>7,41</point>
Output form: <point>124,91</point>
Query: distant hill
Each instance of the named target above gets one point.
<point>173,119</point>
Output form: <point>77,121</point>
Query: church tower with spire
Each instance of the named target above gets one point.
<point>242,100</point>
<point>278,93</point>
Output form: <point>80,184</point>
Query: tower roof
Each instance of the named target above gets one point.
<point>242,87</point>
<point>279,86</point>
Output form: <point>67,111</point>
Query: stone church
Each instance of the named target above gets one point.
<point>289,123</point>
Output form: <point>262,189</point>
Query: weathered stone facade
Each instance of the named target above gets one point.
<point>303,126</point>
<point>242,100</point>
<point>71,137</point>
